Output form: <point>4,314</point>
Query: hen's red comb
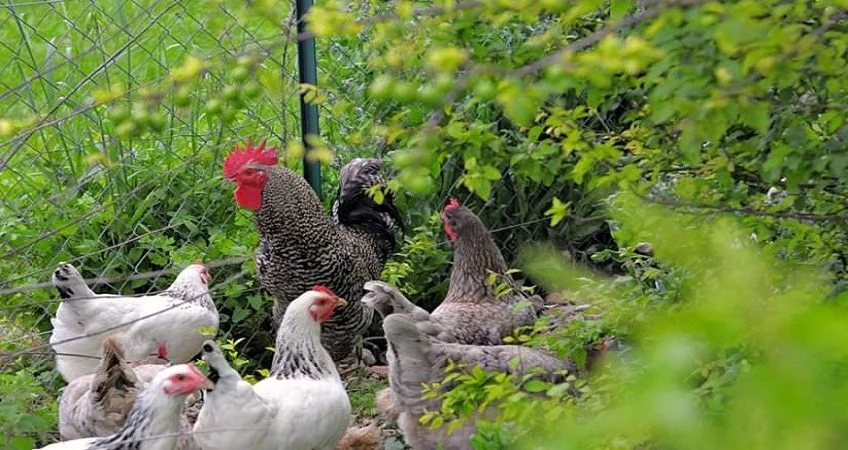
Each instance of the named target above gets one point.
<point>241,156</point>
<point>451,204</point>
<point>324,290</point>
<point>194,370</point>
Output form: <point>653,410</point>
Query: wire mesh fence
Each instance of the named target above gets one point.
<point>130,208</point>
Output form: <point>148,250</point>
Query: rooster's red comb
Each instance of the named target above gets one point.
<point>451,204</point>
<point>324,290</point>
<point>241,156</point>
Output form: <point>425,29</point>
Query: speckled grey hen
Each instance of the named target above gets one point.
<point>472,311</point>
<point>417,359</point>
<point>301,245</point>
<point>97,404</point>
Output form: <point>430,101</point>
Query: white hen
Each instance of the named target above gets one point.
<point>175,317</point>
<point>233,415</point>
<point>314,410</point>
<point>153,423</point>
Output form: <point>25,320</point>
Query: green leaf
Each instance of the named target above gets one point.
<point>535,386</point>
<point>240,314</point>
<point>757,116</point>
<point>620,8</point>
<point>558,211</point>
<point>23,443</point>
<point>491,173</point>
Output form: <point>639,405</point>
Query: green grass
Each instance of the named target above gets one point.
<point>361,390</point>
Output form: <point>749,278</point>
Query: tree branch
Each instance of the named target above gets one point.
<point>745,210</point>
<point>420,12</point>
<point>593,38</point>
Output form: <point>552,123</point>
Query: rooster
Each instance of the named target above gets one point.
<point>176,319</point>
<point>153,423</point>
<point>472,309</point>
<point>353,245</point>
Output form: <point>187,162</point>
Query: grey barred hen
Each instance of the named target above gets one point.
<point>153,423</point>
<point>417,353</point>
<point>472,309</point>
<point>301,245</point>
<point>417,359</point>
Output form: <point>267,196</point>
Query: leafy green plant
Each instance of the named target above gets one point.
<point>421,266</point>
<point>699,366</point>
<point>28,413</point>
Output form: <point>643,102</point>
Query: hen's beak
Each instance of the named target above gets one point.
<point>207,384</point>
<point>340,302</point>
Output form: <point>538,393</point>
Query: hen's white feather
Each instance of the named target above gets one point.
<point>314,409</point>
<point>175,317</point>
<point>314,413</point>
<point>233,415</point>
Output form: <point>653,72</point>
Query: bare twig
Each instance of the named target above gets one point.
<point>745,210</point>
<point>593,38</point>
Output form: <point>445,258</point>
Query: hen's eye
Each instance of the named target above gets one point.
<point>180,377</point>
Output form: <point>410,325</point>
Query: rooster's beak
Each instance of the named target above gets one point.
<point>340,302</point>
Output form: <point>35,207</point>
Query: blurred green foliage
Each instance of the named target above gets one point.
<point>545,117</point>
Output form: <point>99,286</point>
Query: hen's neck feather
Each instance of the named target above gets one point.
<point>475,254</point>
<point>299,351</point>
<point>190,289</point>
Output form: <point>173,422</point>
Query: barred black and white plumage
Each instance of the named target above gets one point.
<point>301,245</point>
<point>153,423</point>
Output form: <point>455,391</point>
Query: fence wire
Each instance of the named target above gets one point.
<point>129,211</point>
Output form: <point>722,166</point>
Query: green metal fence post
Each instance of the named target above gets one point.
<point>308,73</point>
